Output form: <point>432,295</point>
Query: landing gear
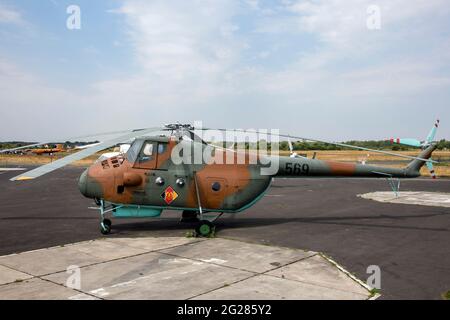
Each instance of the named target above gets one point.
<point>105,226</point>
<point>204,228</point>
<point>105,208</point>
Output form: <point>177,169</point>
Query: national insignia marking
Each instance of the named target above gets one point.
<point>169,195</point>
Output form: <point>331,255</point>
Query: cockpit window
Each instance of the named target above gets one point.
<point>133,151</point>
<point>148,152</point>
<point>148,149</point>
<point>144,153</point>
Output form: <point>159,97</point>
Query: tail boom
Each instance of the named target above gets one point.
<point>302,167</point>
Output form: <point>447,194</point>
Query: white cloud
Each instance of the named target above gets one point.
<point>180,39</point>
<point>341,22</point>
<point>9,15</point>
<point>352,60</point>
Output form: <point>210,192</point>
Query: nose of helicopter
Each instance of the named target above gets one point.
<point>82,183</point>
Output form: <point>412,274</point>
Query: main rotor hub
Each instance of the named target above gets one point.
<point>179,126</point>
<point>178,129</point>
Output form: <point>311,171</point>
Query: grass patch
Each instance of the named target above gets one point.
<point>373,292</point>
<point>212,234</point>
<point>446,295</point>
<point>190,234</point>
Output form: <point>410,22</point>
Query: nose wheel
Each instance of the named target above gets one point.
<point>105,226</point>
<point>104,208</point>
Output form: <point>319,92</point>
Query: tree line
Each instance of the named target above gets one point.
<point>283,145</point>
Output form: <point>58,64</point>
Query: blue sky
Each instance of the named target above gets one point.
<point>311,68</point>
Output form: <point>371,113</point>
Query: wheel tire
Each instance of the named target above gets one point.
<point>107,222</point>
<point>104,228</point>
<point>204,228</point>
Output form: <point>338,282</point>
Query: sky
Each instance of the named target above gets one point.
<point>336,70</point>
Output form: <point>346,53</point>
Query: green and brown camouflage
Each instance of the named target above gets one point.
<point>147,176</point>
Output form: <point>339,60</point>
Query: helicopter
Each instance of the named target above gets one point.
<point>150,178</point>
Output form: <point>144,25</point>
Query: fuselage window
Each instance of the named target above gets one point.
<point>162,147</point>
<point>215,186</point>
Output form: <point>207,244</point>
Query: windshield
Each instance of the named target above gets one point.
<point>133,152</point>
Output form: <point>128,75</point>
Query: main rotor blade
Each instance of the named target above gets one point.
<point>195,137</point>
<point>329,142</point>
<point>32,174</point>
<point>110,133</point>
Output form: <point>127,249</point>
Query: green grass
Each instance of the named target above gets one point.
<point>190,234</point>
<point>446,295</point>
<point>373,292</point>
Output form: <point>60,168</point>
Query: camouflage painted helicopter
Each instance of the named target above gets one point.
<point>147,180</point>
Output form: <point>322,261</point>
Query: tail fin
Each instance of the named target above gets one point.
<point>414,166</point>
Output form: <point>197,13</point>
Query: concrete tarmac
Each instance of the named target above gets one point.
<point>410,243</point>
<point>175,268</point>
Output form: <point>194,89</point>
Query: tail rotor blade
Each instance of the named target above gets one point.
<point>433,131</point>
<point>431,169</point>
<point>407,142</point>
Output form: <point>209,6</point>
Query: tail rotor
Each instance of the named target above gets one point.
<point>421,144</point>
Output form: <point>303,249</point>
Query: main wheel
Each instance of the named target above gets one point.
<point>204,228</point>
